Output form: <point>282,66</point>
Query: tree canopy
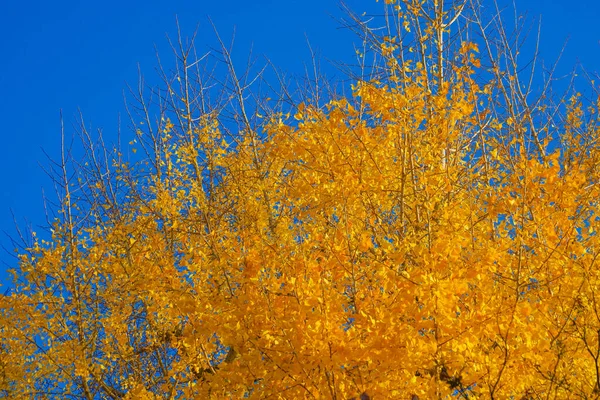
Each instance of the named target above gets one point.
<point>427,233</point>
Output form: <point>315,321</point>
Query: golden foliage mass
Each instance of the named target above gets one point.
<point>428,236</point>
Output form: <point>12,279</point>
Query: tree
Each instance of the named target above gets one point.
<point>430,235</point>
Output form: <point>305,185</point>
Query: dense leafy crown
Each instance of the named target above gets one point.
<point>431,235</point>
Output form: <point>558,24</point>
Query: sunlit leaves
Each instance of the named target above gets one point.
<point>414,238</point>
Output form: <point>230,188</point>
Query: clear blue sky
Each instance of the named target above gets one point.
<point>79,55</point>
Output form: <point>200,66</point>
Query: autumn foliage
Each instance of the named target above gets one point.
<point>429,235</point>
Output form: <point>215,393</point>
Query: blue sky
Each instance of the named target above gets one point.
<point>79,55</point>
